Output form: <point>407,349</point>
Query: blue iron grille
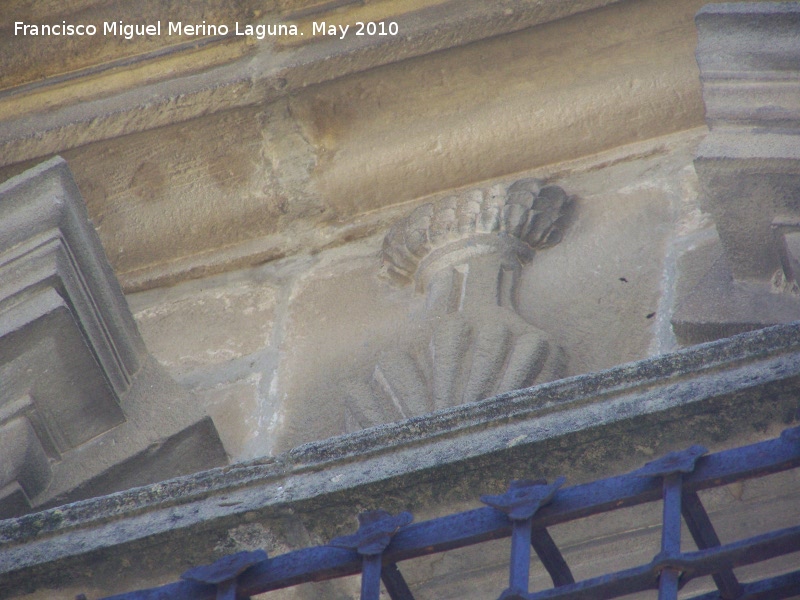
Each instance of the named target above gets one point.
<point>524,513</point>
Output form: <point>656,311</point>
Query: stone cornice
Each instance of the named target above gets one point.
<point>718,390</point>
<point>330,133</point>
<point>72,363</point>
<point>46,238</point>
<point>131,90</point>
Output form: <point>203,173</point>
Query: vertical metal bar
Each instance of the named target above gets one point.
<point>670,535</point>
<point>395,583</point>
<point>520,555</point>
<point>371,577</point>
<point>705,537</point>
<point>551,557</point>
<point>668,585</point>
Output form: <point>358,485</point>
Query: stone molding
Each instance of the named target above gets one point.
<point>193,76</point>
<point>749,59</point>
<point>351,158</point>
<point>45,237</point>
<point>749,165</point>
<point>748,169</point>
<point>69,347</point>
<point>717,390</point>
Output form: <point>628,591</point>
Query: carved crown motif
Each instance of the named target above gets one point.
<point>526,211</point>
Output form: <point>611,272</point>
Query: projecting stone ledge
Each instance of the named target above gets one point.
<point>749,171</point>
<point>727,393</point>
<point>81,401</point>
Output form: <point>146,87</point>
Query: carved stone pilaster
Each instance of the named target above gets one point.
<point>70,353</point>
<point>465,254</point>
<point>749,170</point>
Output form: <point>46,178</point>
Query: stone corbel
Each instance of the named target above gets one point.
<point>464,254</point>
<point>74,415</point>
<point>749,171</point>
<point>25,469</point>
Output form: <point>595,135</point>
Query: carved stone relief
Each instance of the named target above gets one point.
<point>70,352</point>
<point>464,254</point>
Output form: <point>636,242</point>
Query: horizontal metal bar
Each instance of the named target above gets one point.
<point>772,588</point>
<point>692,565</point>
<point>604,587</point>
<point>484,524</point>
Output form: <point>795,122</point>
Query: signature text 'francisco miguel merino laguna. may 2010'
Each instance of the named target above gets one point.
<point>179,28</point>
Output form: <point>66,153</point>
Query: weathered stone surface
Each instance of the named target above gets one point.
<point>68,346</point>
<point>321,154</point>
<point>221,337</point>
<point>730,392</point>
<point>465,253</point>
<point>46,237</point>
<point>25,465</point>
<point>167,195</point>
<point>744,50</point>
<point>511,100</point>
<point>71,360</point>
<point>339,317</point>
<point>329,163</point>
<point>180,77</point>
<point>27,59</point>
<point>597,294</point>
<point>235,409</point>
<point>713,305</point>
<point>201,326</point>
<point>47,359</point>
<point>748,169</point>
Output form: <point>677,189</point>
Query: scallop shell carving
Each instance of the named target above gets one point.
<point>460,363</point>
<point>474,344</point>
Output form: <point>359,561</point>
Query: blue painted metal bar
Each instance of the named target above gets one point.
<point>551,557</point>
<point>522,500</point>
<point>371,577</point>
<point>772,588</point>
<point>519,572</point>
<point>484,524</point>
<point>395,583</point>
<point>692,564</point>
<point>699,525</point>
<point>225,572</point>
<point>670,536</point>
<point>375,531</point>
